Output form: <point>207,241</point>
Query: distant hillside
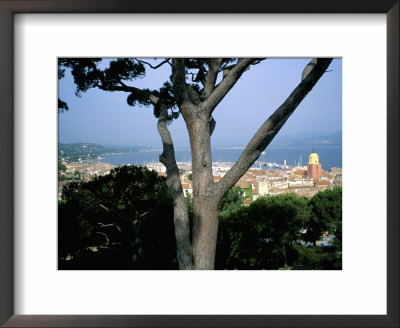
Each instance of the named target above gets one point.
<point>307,140</point>
<point>72,152</point>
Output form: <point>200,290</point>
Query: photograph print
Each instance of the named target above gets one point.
<point>199,163</point>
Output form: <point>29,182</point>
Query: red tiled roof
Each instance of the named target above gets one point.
<point>300,172</point>
<point>327,175</point>
<point>186,186</point>
<point>323,183</point>
<point>259,172</point>
<point>243,184</point>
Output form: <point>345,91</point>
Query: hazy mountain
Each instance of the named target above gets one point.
<point>77,151</point>
<point>308,139</point>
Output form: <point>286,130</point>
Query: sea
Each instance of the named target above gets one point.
<point>330,156</point>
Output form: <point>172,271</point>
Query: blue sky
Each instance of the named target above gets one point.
<point>106,118</point>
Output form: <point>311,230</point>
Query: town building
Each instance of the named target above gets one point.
<point>314,167</point>
<point>335,170</point>
<point>158,167</point>
<point>187,188</point>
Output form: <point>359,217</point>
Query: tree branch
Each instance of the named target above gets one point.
<point>180,87</point>
<point>227,83</point>
<point>213,69</point>
<point>193,76</point>
<point>199,77</point>
<point>123,87</point>
<point>166,61</point>
<point>194,96</point>
<point>181,219</point>
<point>102,225</point>
<point>271,126</point>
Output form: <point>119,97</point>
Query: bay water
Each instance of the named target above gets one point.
<point>328,156</point>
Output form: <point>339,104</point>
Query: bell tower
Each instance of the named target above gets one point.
<point>314,167</point>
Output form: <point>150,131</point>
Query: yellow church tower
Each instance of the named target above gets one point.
<point>314,167</point>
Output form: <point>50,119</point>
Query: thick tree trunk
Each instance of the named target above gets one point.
<point>205,230</point>
<point>205,204</point>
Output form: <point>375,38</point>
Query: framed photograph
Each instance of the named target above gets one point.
<point>45,287</point>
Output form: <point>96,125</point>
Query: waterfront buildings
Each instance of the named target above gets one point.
<point>256,182</point>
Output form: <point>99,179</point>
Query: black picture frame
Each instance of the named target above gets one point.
<point>10,7</point>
